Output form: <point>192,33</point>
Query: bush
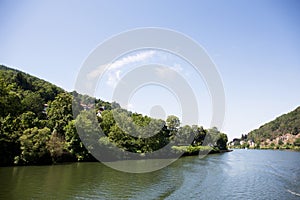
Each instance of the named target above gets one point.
<point>297,142</point>
<point>191,149</point>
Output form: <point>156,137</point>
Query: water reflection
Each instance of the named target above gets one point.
<point>87,180</point>
<point>240,174</point>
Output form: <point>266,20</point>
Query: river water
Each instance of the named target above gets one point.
<point>241,174</point>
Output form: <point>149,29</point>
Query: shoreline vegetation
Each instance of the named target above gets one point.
<point>288,148</point>
<point>39,124</point>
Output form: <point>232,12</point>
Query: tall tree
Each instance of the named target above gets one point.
<point>9,143</point>
<point>173,122</point>
<point>60,113</point>
<point>222,141</point>
<point>33,146</point>
<point>73,142</point>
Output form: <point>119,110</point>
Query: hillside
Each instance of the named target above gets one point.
<point>20,81</point>
<point>39,123</point>
<point>284,124</point>
<point>283,133</point>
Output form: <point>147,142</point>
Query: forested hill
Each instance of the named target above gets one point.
<point>23,92</point>
<point>285,124</point>
<point>39,123</point>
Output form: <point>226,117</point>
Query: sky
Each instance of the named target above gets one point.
<point>255,45</point>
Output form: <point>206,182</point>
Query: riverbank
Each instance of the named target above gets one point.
<point>177,152</point>
<point>195,150</point>
<point>270,148</point>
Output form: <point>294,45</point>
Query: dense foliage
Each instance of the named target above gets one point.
<point>39,124</point>
<point>287,123</point>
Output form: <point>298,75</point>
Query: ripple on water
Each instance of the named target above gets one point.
<point>240,174</point>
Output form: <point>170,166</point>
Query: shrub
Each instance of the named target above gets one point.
<point>297,142</point>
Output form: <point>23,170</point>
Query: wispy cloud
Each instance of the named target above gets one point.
<point>131,59</point>
<point>169,72</point>
<point>113,77</point>
<point>114,71</point>
<point>114,68</point>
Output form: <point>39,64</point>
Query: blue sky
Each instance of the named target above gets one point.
<point>254,44</point>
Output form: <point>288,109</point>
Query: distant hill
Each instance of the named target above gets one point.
<point>281,133</point>
<point>285,124</point>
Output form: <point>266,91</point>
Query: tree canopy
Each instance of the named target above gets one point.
<point>40,124</point>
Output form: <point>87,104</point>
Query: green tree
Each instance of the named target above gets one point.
<point>73,142</point>
<point>200,134</point>
<point>88,127</point>
<point>33,146</point>
<point>10,102</point>
<point>119,138</point>
<point>212,136</point>
<point>60,113</point>
<point>22,81</point>
<point>154,127</point>
<point>173,122</point>
<point>222,141</point>
<point>158,140</point>
<point>28,119</point>
<point>32,102</point>
<point>107,121</point>
<point>184,135</point>
<point>126,123</point>
<point>9,144</point>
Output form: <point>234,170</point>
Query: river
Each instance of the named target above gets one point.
<point>241,174</point>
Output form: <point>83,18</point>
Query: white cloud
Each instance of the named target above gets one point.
<point>169,72</point>
<point>113,78</point>
<point>115,66</point>
<point>131,59</point>
<point>96,72</point>
<point>177,67</point>
<point>114,71</point>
